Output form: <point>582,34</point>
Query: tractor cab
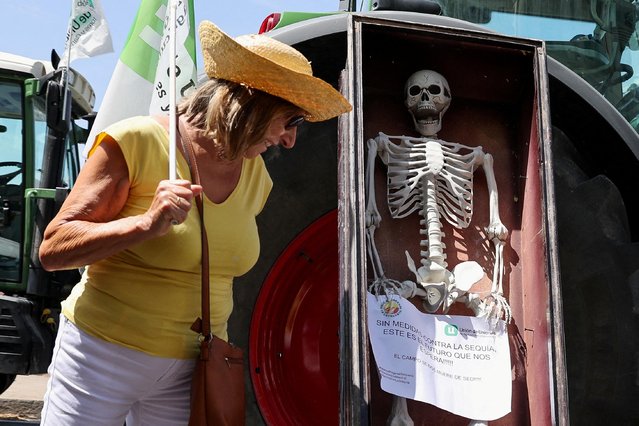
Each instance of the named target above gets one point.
<point>39,162</point>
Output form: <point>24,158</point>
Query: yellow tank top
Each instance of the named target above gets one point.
<point>147,297</point>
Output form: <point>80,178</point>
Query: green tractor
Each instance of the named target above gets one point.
<point>39,162</point>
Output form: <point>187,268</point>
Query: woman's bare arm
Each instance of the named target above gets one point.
<point>85,230</point>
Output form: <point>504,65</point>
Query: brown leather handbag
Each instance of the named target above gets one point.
<point>217,387</point>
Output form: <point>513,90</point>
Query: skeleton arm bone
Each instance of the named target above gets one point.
<point>496,231</point>
<point>378,271</point>
<point>373,218</point>
<point>496,228</point>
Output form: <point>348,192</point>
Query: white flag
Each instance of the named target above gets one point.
<point>88,33</point>
<point>186,72</point>
<point>139,83</point>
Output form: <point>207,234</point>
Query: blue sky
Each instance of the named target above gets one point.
<point>32,28</point>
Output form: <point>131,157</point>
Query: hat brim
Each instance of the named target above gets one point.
<point>224,58</point>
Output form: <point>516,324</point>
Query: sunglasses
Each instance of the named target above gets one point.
<point>295,121</point>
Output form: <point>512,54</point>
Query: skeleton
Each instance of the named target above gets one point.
<point>434,178</point>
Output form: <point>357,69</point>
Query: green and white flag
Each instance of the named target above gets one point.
<point>88,33</point>
<point>140,83</point>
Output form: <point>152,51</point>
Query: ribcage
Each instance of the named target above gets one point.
<point>450,165</point>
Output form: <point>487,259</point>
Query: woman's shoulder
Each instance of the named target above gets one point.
<point>137,126</point>
<point>141,139</point>
<point>257,183</point>
<point>255,166</point>
<point>256,173</point>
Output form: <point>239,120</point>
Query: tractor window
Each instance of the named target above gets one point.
<point>597,39</point>
<point>11,179</point>
<point>77,137</point>
<point>40,131</point>
<point>70,167</point>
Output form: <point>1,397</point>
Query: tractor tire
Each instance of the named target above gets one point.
<point>6,380</point>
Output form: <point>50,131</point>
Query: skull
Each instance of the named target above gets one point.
<point>427,99</point>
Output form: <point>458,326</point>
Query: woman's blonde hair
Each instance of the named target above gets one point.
<point>234,116</point>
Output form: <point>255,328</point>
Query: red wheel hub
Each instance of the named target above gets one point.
<point>294,342</point>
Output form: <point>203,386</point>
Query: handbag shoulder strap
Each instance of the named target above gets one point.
<point>205,321</point>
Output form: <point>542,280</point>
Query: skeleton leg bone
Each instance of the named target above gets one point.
<point>399,413</point>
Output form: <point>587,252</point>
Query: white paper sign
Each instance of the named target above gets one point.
<point>456,363</point>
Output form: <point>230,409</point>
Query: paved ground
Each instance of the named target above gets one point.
<point>23,400</point>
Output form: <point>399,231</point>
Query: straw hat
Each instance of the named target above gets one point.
<point>262,63</point>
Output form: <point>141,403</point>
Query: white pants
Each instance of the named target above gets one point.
<point>94,382</point>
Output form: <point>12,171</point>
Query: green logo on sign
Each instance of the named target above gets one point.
<point>451,330</point>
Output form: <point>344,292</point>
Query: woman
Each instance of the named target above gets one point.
<point>124,347</point>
